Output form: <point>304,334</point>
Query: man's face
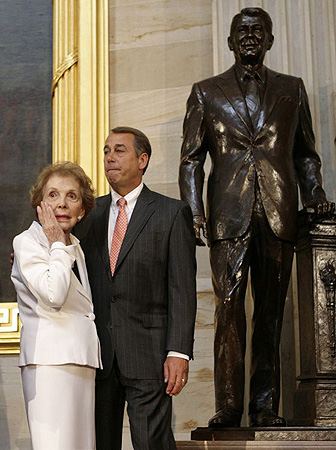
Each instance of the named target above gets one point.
<point>250,41</point>
<point>123,168</point>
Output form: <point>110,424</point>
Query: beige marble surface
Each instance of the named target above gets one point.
<point>160,66</point>
<point>14,433</point>
<point>160,22</point>
<point>157,50</point>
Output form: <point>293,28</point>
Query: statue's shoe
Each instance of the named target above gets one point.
<point>225,418</point>
<point>267,419</point>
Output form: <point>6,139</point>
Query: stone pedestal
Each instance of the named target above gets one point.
<point>315,398</point>
<point>255,445</point>
<point>278,434</point>
<point>284,438</point>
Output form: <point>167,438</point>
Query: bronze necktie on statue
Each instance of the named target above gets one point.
<point>252,98</point>
<point>119,233</point>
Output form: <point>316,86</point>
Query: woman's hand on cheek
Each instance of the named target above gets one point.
<point>49,223</point>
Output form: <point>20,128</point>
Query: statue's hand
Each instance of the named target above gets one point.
<point>322,208</point>
<point>200,224</point>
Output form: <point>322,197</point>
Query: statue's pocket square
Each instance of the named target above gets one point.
<point>287,99</point>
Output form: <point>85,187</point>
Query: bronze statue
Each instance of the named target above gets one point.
<point>256,126</point>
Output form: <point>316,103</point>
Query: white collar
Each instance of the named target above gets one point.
<point>130,198</point>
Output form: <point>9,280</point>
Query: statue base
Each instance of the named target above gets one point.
<point>315,396</point>
<point>315,403</point>
<point>284,438</point>
<point>265,434</point>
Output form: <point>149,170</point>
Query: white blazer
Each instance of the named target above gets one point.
<point>56,310</point>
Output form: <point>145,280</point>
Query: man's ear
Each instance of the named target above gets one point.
<point>270,42</point>
<point>229,40</point>
<point>143,160</point>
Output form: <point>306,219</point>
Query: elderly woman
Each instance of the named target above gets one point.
<point>59,343</point>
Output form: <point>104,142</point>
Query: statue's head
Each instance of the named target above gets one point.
<point>251,36</point>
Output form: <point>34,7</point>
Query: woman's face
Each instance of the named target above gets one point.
<point>64,197</point>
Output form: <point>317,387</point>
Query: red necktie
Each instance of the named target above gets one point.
<point>119,233</point>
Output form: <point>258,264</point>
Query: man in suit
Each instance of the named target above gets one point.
<point>144,297</point>
<point>256,125</point>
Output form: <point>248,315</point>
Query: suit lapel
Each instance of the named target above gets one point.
<point>100,224</point>
<point>271,97</point>
<point>83,289</point>
<point>143,210</point>
<point>229,85</point>
<point>82,286</point>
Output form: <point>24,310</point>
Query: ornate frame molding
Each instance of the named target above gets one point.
<point>80,88</point>
<point>93,89</point>
<point>10,327</point>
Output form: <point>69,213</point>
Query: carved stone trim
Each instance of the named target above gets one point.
<point>328,277</point>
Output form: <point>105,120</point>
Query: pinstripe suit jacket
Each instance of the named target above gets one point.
<point>148,307</point>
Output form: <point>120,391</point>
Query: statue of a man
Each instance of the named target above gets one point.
<point>256,125</point>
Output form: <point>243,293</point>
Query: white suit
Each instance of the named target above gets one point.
<point>59,346</point>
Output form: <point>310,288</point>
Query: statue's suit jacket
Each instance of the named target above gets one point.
<point>279,151</point>
<point>148,307</point>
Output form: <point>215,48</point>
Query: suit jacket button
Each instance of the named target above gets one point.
<point>91,316</point>
<point>113,299</point>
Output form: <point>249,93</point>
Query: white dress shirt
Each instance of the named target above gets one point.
<point>131,199</point>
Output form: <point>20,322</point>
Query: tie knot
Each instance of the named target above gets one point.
<point>121,203</point>
<point>251,76</point>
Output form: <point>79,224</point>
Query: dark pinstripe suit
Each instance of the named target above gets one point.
<point>147,309</point>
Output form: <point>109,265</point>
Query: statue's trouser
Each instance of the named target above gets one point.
<point>270,260</point>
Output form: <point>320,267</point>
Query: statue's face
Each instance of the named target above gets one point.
<point>250,41</point>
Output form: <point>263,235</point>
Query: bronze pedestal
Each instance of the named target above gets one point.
<point>315,397</point>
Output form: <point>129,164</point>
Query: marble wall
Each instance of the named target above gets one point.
<point>14,434</point>
<point>157,50</point>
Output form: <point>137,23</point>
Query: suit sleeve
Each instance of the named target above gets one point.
<point>307,161</point>
<point>46,274</point>
<point>181,284</point>
<point>193,153</point>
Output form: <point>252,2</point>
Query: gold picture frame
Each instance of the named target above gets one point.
<point>10,327</point>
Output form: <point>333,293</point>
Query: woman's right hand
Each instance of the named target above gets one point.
<point>49,223</point>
